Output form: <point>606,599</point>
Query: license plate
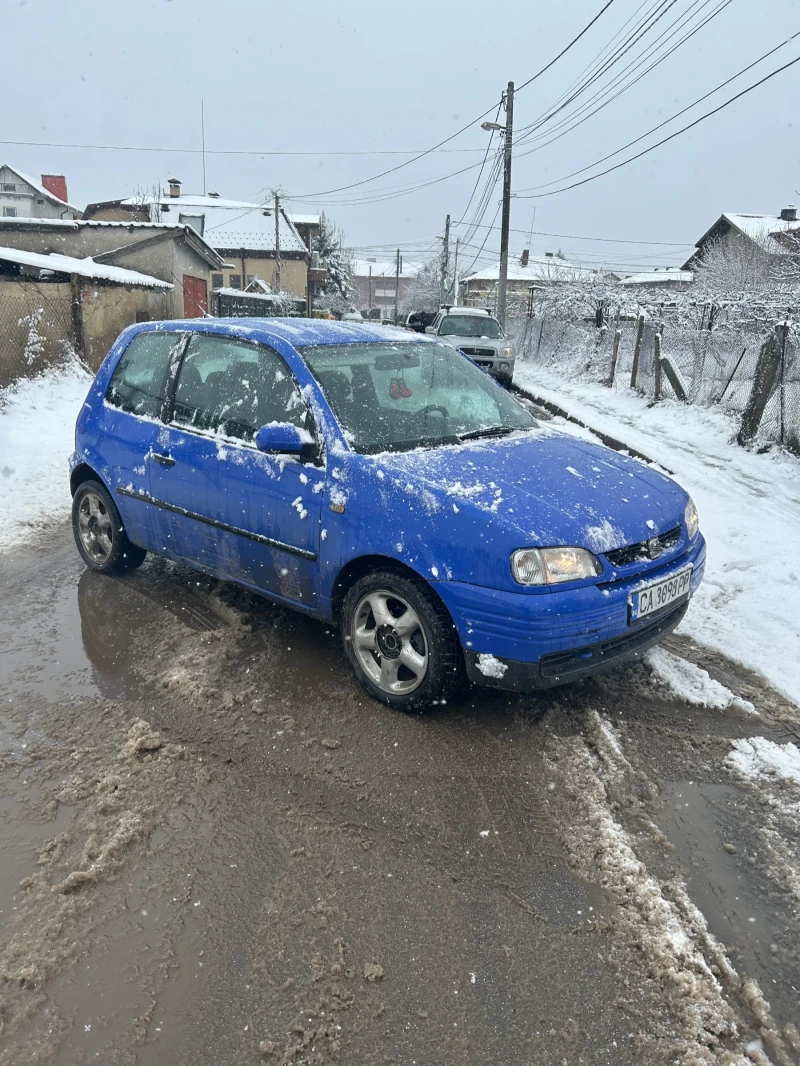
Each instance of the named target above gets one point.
<point>653,597</point>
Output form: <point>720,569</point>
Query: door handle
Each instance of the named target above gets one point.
<point>165,460</point>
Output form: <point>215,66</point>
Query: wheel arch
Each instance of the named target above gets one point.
<point>357,568</point>
<point>84,472</point>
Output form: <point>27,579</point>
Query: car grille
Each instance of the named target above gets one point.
<point>646,550</point>
<point>486,353</point>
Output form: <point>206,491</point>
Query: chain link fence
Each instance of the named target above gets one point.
<point>714,368</point>
<point>35,329</point>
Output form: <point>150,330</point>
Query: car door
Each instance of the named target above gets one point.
<point>133,405</point>
<point>223,505</point>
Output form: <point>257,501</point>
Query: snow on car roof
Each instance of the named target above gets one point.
<point>298,332</point>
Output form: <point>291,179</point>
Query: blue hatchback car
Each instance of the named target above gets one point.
<point>380,480</point>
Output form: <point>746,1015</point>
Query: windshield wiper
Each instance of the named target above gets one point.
<point>490,431</point>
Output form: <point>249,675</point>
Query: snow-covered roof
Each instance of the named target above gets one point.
<point>304,220</point>
<point>758,226</point>
<point>540,268</point>
<point>86,268</point>
<point>230,223</point>
<point>248,293</point>
<point>664,276</point>
<point>363,268</point>
<point>40,189</point>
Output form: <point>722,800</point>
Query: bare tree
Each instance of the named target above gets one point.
<point>424,290</point>
<point>148,202</point>
<point>736,263</point>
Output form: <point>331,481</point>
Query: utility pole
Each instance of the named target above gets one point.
<point>277,243</point>
<point>455,274</point>
<point>445,258</point>
<point>370,291</point>
<point>396,284</point>
<point>506,219</point>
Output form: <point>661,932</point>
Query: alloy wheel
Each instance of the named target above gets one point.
<point>389,642</point>
<point>95,528</point>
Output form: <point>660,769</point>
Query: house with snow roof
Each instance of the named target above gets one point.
<point>782,231</point>
<point>479,289</point>
<point>243,233</point>
<point>24,197</point>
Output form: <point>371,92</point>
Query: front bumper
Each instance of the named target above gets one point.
<point>492,363</point>
<point>564,667</point>
<point>551,637</point>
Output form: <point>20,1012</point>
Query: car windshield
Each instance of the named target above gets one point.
<point>470,326</point>
<point>396,396</point>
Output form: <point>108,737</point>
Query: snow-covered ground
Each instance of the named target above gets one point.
<point>748,607</point>
<point>37,430</point>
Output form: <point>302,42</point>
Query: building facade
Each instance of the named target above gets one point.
<point>375,283</point>
<point>24,197</point>
<point>170,252</point>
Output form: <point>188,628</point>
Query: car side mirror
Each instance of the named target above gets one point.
<point>281,437</point>
<point>430,329</point>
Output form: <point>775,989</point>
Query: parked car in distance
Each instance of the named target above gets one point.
<point>478,334</point>
<point>384,483</point>
<point>419,321</point>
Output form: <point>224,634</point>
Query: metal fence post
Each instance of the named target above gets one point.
<point>636,349</point>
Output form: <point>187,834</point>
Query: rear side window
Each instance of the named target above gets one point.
<point>233,389</point>
<point>139,381</point>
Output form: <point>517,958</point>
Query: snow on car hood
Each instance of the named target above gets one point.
<point>553,488</point>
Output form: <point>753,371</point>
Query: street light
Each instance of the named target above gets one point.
<point>490,126</point>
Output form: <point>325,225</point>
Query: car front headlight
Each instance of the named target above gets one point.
<point>551,566</point>
<point>692,520</point>
<point>505,353</point>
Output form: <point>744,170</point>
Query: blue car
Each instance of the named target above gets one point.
<point>380,480</point>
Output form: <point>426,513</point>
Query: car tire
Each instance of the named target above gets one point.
<point>99,533</point>
<point>390,619</point>
<point>505,380</point>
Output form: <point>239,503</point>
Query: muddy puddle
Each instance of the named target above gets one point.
<point>288,838</point>
<point>711,826</point>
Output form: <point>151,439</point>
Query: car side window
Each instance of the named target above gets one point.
<point>139,381</point>
<point>232,388</point>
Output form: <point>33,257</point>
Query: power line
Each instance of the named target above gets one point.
<point>564,51</point>
<point>231,151</point>
<point>666,121</point>
<point>672,136</point>
<point>576,237</point>
<point>392,170</point>
<point>607,96</point>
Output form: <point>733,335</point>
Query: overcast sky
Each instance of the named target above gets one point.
<point>364,77</point>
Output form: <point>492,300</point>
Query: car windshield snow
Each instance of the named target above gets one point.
<point>392,397</point>
<point>470,326</point>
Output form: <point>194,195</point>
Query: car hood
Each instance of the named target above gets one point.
<point>549,487</point>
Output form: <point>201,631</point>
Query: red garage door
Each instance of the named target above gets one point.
<point>195,297</point>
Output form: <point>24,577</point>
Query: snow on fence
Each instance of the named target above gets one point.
<point>715,367</point>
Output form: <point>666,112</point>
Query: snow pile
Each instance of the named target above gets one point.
<point>758,758</point>
<point>491,667</point>
<point>37,430</point>
<point>749,508</point>
<point>692,683</point>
